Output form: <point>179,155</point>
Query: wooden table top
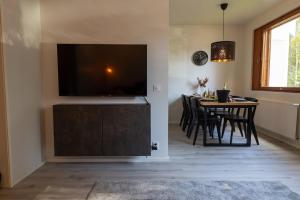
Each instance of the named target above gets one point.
<point>233,103</point>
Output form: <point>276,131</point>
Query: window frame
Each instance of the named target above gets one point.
<point>261,54</point>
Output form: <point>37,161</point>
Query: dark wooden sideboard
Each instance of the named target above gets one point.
<point>102,130</point>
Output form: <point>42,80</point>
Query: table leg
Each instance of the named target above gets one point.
<point>204,126</point>
<point>249,125</point>
<point>254,132</point>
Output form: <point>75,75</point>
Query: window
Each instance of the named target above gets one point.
<point>276,54</point>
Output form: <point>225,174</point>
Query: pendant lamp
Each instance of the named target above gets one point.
<point>223,51</point>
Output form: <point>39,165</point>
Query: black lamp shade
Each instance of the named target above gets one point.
<point>222,51</point>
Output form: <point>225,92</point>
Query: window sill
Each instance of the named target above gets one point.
<point>278,89</point>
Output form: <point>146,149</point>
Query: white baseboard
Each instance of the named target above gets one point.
<point>108,159</point>
<point>295,143</point>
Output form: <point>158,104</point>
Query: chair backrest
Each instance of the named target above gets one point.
<point>194,106</point>
<point>200,109</point>
<point>235,111</point>
<point>252,100</point>
<point>235,96</point>
<point>183,100</point>
<point>188,103</point>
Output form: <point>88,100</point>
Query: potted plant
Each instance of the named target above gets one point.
<point>223,95</point>
<point>201,85</point>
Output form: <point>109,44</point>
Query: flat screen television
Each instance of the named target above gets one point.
<point>102,70</point>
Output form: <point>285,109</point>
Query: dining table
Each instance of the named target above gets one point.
<point>250,106</point>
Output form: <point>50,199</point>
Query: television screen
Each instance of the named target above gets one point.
<point>102,70</point>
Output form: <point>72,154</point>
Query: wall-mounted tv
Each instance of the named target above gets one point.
<point>102,70</point>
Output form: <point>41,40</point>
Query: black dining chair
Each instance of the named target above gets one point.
<point>228,112</point>
<point>198,120</point>
<point>188,115</point>
<point>184,110</point>
<point>221,112</point>
<point>191,117</point>
<point>238,117</point>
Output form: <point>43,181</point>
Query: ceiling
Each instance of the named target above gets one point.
<point>195,12</point>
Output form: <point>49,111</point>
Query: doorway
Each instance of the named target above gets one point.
<point>4,150</point>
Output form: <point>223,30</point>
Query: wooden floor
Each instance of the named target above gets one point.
<point>270,161</point>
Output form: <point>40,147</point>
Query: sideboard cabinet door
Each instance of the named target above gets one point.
<point>126,130</point>
<point>77,131</point>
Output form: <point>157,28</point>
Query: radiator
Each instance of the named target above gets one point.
<point>278,117</point>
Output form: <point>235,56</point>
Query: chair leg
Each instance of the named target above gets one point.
<point>198,124</point>
<point>182,117</point>
<point>232,130</point>
<point>232,124</point>
<point>245,129</point>
<point>254,133</point>
<point>211,130</point>
<point>240,128</point>
<point>214,125</point>
<point>186,121</point>
<point>203,129</point>
<point>191,130</point>
<point>224,126</point>
<point>219,131</point>
<point>189,125</point>
<point>196,133</point>
<point>188,130</point>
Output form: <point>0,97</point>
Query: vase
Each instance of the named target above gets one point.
<point>223,95</point>
<point>200,90</point>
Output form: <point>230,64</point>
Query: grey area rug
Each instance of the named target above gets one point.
<point>173,189</point>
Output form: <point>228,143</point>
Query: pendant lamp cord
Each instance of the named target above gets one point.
<point>223,27</point>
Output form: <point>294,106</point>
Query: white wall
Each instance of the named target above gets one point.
<point>184,41</point>
<point>268,16</point>
<point>21,31</point>
<point>102,21</point>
